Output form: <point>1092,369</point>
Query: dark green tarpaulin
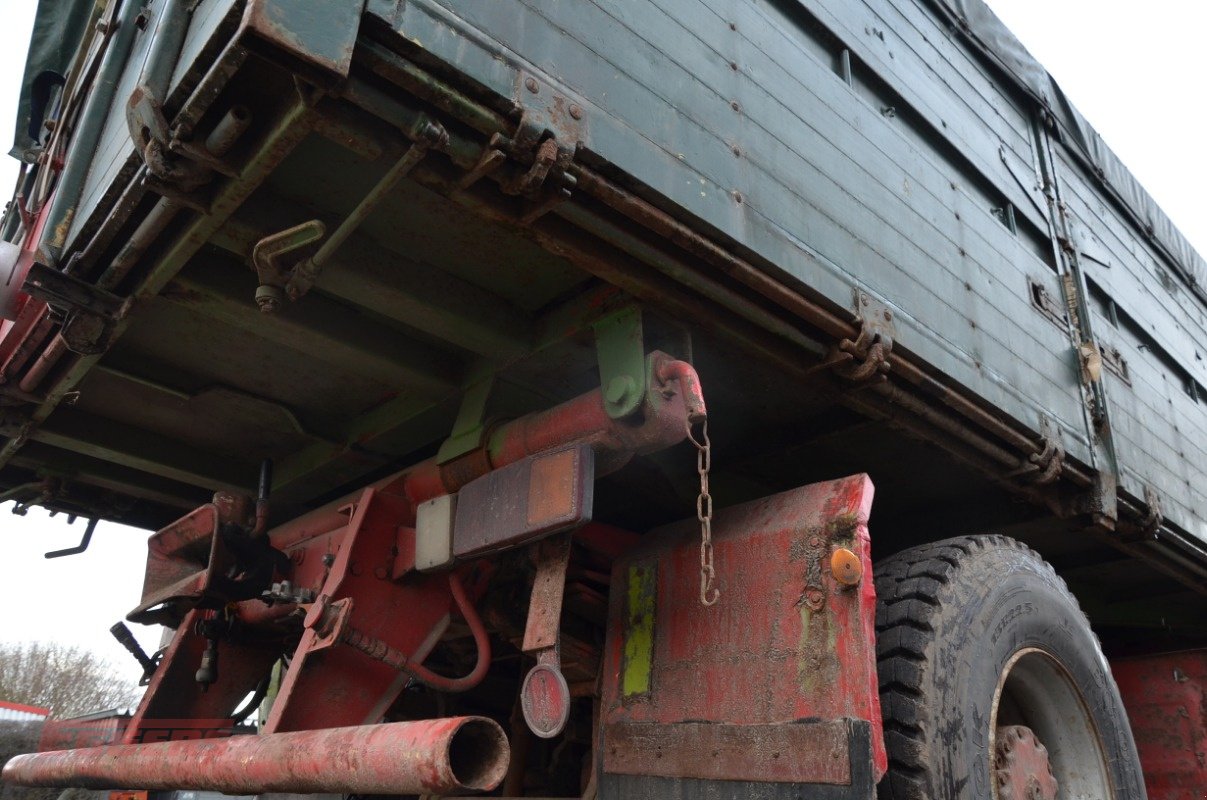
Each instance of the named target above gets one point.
<point>58,30</point>
<point>989,35</point>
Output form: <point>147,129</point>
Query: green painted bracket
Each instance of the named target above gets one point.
<point>620,345</point>
<point>469,430</point>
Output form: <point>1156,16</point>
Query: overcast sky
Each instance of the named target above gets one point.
<point>1132,69</point>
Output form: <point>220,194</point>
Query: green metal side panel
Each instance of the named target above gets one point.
<point>836,189</point>
<point>894,177</point>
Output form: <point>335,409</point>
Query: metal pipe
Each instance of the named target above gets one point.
<point>16,492</point>
<point>439,756</point>
<point>88,133</point>
<point>234,123</point>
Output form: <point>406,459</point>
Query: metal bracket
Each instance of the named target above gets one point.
<point>1045,466</point>
<point>89,313</point>
<point>545,696</point>
<point>60,289</point>
<point>551,126</point>
<point>864,359</point>
<point>469,430</point>
<point>620,346</point>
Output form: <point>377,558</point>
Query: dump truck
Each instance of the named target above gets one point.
<point>697,399</point>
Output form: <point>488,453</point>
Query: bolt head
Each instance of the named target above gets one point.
<point>269,298</point>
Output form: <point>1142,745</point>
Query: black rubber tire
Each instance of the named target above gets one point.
<point>949,618</point>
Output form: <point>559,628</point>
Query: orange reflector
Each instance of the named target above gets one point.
<point>553,489</point>
<point>535,497</point>
<point>846,566</point>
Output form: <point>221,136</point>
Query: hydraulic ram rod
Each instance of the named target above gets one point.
<point>442,756</point>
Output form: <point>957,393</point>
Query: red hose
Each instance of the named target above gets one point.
<point>481,639</point>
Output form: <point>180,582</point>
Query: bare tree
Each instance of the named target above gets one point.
<point>67,680</point>
<point>16,738</point>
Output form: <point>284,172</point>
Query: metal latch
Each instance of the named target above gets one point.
<point>864,359</point>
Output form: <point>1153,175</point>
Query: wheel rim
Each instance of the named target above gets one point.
<point>1040,716</point>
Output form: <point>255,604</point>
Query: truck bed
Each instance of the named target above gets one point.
<point>778,184</point>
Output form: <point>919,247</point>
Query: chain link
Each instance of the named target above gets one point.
<point>709,594</point>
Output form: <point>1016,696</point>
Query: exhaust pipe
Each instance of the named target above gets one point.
<point>442,756</point>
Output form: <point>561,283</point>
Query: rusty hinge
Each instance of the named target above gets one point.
<point>1045,466</point>
<point>547,180</point>
<point>864,359</point>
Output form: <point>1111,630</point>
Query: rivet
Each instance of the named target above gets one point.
<point>576,112</point>
<point>531,85</point>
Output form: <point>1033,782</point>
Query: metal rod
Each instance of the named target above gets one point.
<point>21,489</point>
<point>228,130</point>
<point>439,756</point>
<point>127,640</point>
<point>307,272</point>
<point>262,498</point>
<point>79,548</point>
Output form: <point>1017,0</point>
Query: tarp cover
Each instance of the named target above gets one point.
<point>994,39</point>
<point>58,30</point>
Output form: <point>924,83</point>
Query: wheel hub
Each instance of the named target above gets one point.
<point>1021,767</point>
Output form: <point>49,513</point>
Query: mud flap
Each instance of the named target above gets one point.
<point>770,693</point>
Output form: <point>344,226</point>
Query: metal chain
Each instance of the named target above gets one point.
<point>709,594</point>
